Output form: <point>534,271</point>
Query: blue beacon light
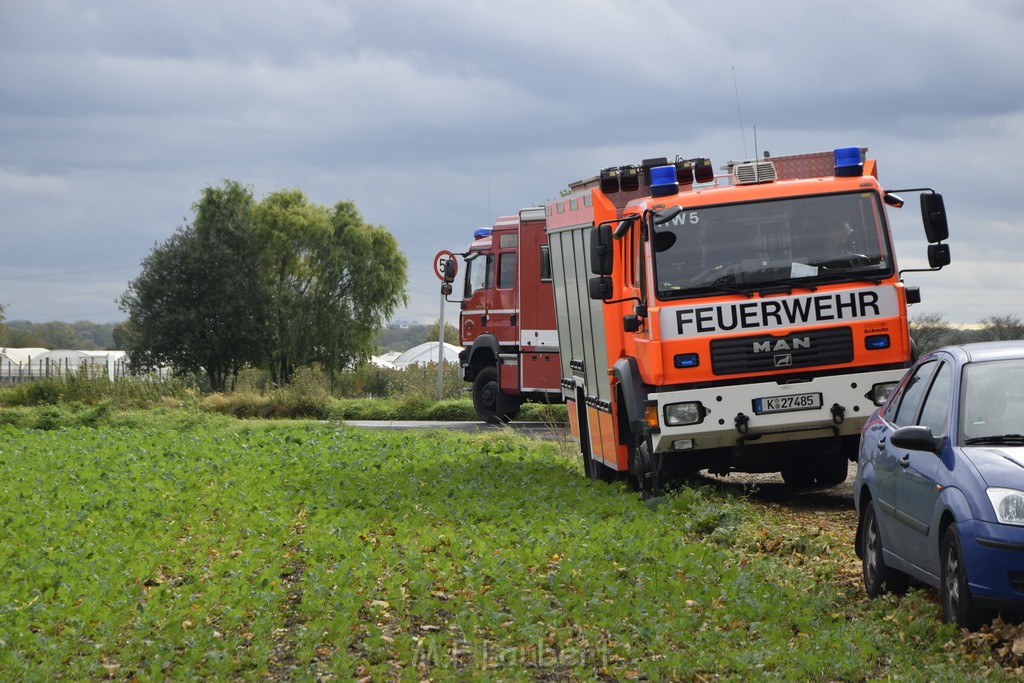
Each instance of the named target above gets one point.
<point>664,181</point>
<point>481,232</point>
<point>848,162</point>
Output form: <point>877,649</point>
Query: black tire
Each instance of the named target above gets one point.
<point>490,403</point>
<point>643,475</point>
<point>798,474</point>
<point>878,577</point>
<point>957,604</point>
<point>830,469</point>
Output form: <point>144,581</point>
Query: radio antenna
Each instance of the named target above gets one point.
<point>739,111</point>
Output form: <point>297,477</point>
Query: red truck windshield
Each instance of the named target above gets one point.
<point>758,244</point>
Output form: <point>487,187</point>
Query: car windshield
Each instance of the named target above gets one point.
<point>992,402</point>
<point>757,245</point>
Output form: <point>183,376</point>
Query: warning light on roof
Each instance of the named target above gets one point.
<point>609,180</point>
<point>849,162</point>
<point>684,171</point>
<point>629,178</point>
<point>663,181</point>
<point>481,232</point>
<point>703,171</point>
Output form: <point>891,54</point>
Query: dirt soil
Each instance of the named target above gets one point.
<point>830,511</point>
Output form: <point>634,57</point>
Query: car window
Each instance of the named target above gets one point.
<point>992,401</point>
<point>913,394</point>
<point>936,405</point>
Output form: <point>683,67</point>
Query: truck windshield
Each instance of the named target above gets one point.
<point>755,245</point>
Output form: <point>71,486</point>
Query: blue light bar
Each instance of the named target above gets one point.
<point>663,181</point>
<point>848,162</point>
<point>877,341</point>
<point>481,232</point>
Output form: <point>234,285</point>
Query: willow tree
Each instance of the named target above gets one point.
<point>332,281</point>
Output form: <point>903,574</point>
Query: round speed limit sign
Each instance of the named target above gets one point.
<point>440,260</point>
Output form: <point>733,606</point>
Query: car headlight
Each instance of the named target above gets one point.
<point>689,413</point>
<point>1009,505</point>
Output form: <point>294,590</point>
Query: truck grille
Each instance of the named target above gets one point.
<point>768,353</point>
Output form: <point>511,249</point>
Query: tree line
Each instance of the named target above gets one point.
<point>930,331</point>
<point>82,334</point>
<point>278,283</point>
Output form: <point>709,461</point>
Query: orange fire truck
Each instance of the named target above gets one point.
<point>507,321</point>
<point>743,322</point>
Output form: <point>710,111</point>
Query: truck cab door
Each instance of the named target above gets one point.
<point>476,300</point>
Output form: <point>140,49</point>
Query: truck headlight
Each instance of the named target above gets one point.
<point>1009,505</point>
<point>689,413</point>
<point>879,393</point>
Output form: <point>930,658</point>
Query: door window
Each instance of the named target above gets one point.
<point>913,395</point>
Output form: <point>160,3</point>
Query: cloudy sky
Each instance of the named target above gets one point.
<point>435,117</point>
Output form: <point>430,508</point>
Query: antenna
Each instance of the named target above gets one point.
<point>740,112</point>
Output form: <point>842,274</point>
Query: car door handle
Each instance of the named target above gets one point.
<point>881,444</point>
<point>905,461</point>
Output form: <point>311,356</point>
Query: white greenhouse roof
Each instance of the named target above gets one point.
<point>426,353</point>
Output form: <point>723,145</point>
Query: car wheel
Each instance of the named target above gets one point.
<point>878,577</point>
<point>957,604</point>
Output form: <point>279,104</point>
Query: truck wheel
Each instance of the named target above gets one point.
<point>829,469</point>
<point>490,403</point>
<point>832,470</point>
<point>642,475</point>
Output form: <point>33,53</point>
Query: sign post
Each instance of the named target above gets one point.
<point>441,259</point>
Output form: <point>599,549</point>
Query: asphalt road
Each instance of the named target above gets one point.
<point>540,430</point>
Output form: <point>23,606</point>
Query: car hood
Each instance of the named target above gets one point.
<point>999,466</point>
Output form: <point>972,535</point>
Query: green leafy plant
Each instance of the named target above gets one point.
<point>188,544</point>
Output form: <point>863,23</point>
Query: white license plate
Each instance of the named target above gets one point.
<point>782,404</point>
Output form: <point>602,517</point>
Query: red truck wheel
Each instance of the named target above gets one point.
<point>490,403</point>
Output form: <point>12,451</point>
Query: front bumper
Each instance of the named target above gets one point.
<point>730,417</point>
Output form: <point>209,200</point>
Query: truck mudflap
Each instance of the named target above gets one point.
<point>768,412</point>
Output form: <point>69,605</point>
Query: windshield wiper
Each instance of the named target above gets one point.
<point>1012,439</point>
<point>692,291</point>
<point>841,277</point>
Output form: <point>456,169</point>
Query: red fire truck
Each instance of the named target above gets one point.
<point>743,322</point>
<point>507,321</point>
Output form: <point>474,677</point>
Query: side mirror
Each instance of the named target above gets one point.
<point>915,438</point>
<point>601,250</point>
<point>600,287</point>
<point>451,267</point>
<point>446,288</point>
<point>938,255</point>
<point>933,214</point>
<point>631,323</point>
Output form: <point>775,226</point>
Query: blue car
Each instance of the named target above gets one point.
<point>939,490</point>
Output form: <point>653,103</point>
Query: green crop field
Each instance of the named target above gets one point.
<point>206,547</point>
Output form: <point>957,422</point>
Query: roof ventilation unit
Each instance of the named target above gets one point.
<point>751,172</point>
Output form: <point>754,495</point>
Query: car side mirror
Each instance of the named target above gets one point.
<point>916,438</point>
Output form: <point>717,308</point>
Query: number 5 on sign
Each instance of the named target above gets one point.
<point>442,269</point>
